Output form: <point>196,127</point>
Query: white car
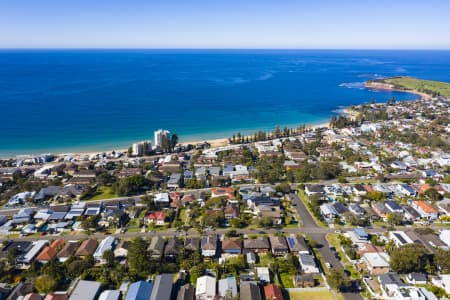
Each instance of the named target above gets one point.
<point>328,265</point>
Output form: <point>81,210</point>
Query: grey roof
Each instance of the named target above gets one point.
<point>258,243</point>
<point>186,292</point>
<point>162,287</point>
<point>297,244</point>
<point>250,291</point>
<point>85,290</point>
<point>391,278</point>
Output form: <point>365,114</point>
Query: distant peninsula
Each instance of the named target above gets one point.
<point>425,88</point>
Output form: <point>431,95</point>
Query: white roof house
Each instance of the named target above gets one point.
<point>445,236</point>
<point>105,244</point>
<point>161,198</point>
<point>400,238</point>
<point>206,288</point>
<point>442,281</point>
<point>307,263</point>
<point>109,295</point>
<point>376,260</point>
<point>228,287</point>
<point>263,274</point>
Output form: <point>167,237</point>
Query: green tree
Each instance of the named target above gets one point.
<point>409,258</point>
<point>432,194</point>
<point>442,260</point>
<point>45,283</point>
<point>337,279</point>
<point>395,218</point>
<point>138,260</point>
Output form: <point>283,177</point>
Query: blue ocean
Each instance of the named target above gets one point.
<point>74,100</point>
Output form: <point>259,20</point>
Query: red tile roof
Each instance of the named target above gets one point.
<point>273,292</point>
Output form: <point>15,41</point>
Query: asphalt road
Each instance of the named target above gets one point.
<point>320,237</point>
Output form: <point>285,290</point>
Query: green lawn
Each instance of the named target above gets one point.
<point>311,295</point>
<point>425,86</point>
<point>104,192</point>
<point>286,280</point>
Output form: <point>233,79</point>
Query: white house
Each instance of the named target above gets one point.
<point>400,238</point>
<point>162,199</point>
<point>105,245</point>
<point>442,281</point>
<point>445,236</point>
<point>206,288</point>
<point>263,274</point>
<point>228,288</point>
<point>308,264</point>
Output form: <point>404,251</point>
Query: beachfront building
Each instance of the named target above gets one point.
<point>160,135</point>
<point>141,148</point>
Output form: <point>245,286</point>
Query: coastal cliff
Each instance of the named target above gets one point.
<point>425,88</point>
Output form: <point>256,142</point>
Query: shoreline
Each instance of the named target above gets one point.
<point>389,87</point>
<point>214,142</point>
<point>220,140</point>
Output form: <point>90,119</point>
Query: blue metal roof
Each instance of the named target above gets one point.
<point>361,233</point>
<point>140,290</point>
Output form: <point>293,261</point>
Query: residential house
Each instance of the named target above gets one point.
<point>110,295</point>
<point>46,193</point>
<point>314,189</point>
<point>273,292</point>
<point>328,212</point>
<point>192,244</point>
<point>377,263</point>
<point>442,281</point>
<point>162,287</point>
<point>400,238</point>
<point>156,247</point>
<point>279,245</point>
<point>209,245</point>
<point>227,288</point>
<point>250,291</point>
<point>87,247</point>
<point>28,257</point>
<point>86,290</point>
<point>226,192</point>
<point>257,245</point>
<point>393,207</point>
<point>417,278</point>
<point>232,246</point>
<point>50,252</point>
<point>121,251</point>
<point>206,288</point>
<point>139,290</point>
<point>425,210</point>
<point>304,281</point>
<point>161,199</point>
<point>410,214</point>
<point>67,251</point>
<point>308,263</point>
<point>174,181</point>
<point>172,248</point>
<point>380,209</point>
<point>297,245</point>
<point>186,292</point>
<point>250,257</point>
<point>158,218</point>
<point>263,274</point>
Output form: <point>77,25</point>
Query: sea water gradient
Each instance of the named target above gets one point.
<point>82,100</point>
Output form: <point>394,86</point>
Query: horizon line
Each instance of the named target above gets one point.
<point>222,48</point>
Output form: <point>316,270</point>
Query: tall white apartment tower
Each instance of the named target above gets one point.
<point>159,135</point>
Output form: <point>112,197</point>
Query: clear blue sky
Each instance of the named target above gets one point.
<point>410,24</point>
